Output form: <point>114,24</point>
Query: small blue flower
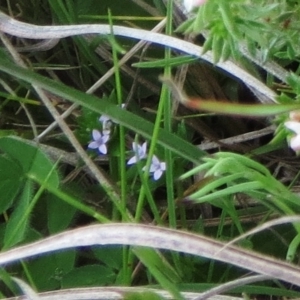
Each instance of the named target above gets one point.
<point>157,167</point>
<point>104,119</point>
<point>99,141</point>
<point>107,122</point>
<point>140,152</point>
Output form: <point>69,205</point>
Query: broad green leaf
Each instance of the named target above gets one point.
<point>15,231</point>
<point>60,214</point>
<point>47,271</point>
<point>90,275</point>
<point>110,256</point>
<point>32,160</point>
<point>11,180</point>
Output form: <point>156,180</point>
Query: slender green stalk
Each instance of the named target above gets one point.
<point>148,194</point>
<point>165,97</point>
<point>145,191</point>
<point>127,271</point>
<point>122,162</point>
<point>159,117</point>
<point>219,233</point>
<point>140,203</point>
<point>166,100</point>
<point>28,275</point>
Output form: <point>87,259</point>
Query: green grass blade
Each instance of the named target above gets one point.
<point>129,120</point>
<point>238,188</point>
<point>172,62</point>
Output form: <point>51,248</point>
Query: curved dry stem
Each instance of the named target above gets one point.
<point>158,238</point>
<point>26,289</point>
<point>112,293</point>
<point>24,30</point>
<point>264,226</point>
<point>230,285</point>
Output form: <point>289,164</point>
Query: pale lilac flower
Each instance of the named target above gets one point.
<point>99,141</point>
<point>107,121</point>
<point>140,152</point>
<point>295,140</point>
<point>104,119</point>
<point>157,167</point>
<point>106,124</point>
<point>190,4</point>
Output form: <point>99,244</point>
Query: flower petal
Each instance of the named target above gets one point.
<point>105,138</point>
<point>135,147</point>
<point>96,134</point>
<point>93,145</point>
<point>132,160</point>
<point>292,125</point>
<point>103,149</point>
<point>153,168</point>
<point>144,148</point>
<point>157,174</point>
<point>104,119</point>
<point>155,160</point>
<point>295,142</point>
<point>163,166</point>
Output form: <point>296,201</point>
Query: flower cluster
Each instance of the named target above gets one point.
<point>100,140</point>
<point>294,125</point>
<point>140,152</point>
